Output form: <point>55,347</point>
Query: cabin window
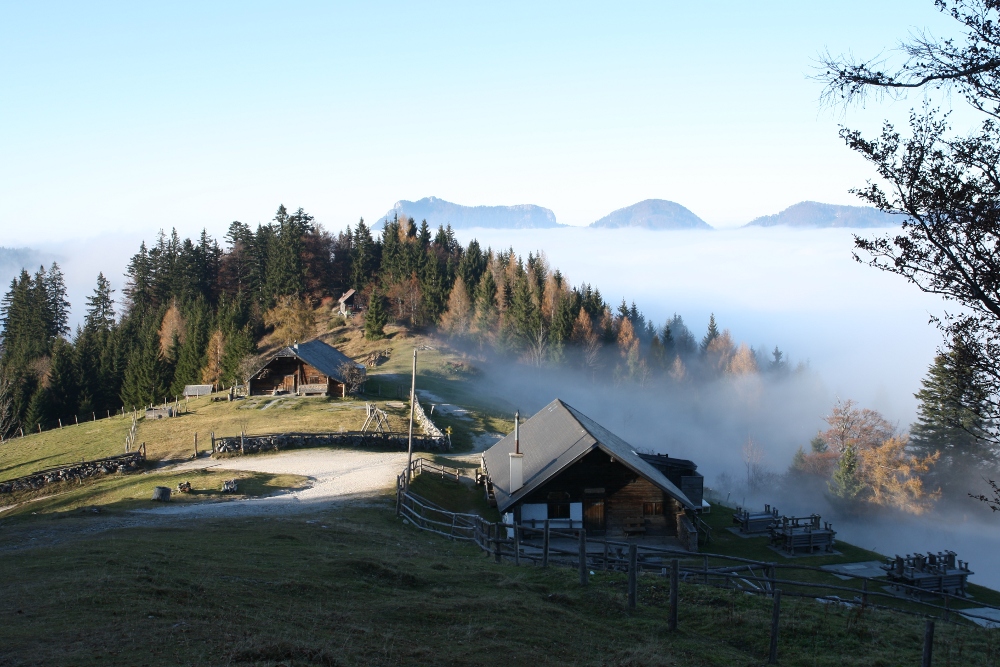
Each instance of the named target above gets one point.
<point>652,509</point>
<point>558,505</point>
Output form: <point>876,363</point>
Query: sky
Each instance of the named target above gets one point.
<point>129,117</point>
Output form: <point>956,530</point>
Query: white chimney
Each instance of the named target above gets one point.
<point>516,472</point>
<point>516,458</point>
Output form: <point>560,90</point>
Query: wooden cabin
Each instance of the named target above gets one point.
<point>577,474</point>
<point>303,369</point>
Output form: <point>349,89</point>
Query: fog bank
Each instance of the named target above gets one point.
<point>864,332</point>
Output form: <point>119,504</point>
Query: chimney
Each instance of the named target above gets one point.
<point>516,458</point>
<point>517,437</point>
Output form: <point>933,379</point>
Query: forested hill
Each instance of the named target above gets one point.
<point>195,310</point>
<point>653,214</point>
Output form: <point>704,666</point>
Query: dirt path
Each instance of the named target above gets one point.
<point>336,476</point>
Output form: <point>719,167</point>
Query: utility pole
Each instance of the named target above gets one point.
<point>413,400</point>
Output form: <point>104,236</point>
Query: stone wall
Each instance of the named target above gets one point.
<point>278,442</point>
<point>75,472</point>
<point>425,423</point>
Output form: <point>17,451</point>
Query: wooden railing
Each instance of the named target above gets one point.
<point>570,546</point>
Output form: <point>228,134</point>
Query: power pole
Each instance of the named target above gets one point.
<point>413,400</point>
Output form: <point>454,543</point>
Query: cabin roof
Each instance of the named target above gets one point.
<point>552,440</point>
<point>347,295</point>
<point>324,358</point>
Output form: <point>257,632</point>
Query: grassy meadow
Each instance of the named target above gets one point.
<point>354,586</point>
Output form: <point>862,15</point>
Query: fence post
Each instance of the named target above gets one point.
<point>925,661</point>
<point>674,586</point>
<point>947,607</point>
<point>775,615</point>
<point>864,594</point>
<point>705,563</point>
<point>545,544</point>
<point>604,564</point>
<point>499,558</point>
<point>633,575</point>
<point>584,575</point>
<point>517,544</point>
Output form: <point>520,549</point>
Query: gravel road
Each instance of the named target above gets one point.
<point>336,476</point>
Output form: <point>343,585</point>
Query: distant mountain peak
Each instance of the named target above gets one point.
<point>437,211</point>
<point>811,214</point>
<point>653,214</point>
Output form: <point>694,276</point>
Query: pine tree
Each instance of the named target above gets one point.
<point>57,305</point>
<point>191,357</point>
<point>138,282</point>
<point>38,413</point>
<point>376,317</point>
<point>64,389</point>
<point>145,380</point>
<point>239,346</point>
<point>710,335</point>
<point>487,312</point>
<point>846,483</point>
<point>101,306</point>
<point>949,415</point>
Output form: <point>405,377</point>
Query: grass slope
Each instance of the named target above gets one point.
<point>124,492</point>
<point>354,586</point>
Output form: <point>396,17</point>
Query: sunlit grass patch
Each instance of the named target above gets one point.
<point>136,490</point>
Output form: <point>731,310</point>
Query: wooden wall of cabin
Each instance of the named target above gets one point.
<point>626,495</point>
<point>281,367</point>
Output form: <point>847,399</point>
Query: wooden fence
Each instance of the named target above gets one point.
<point>547,545</point>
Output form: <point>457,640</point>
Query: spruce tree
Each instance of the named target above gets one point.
<point>38,413</point>
<point>949,417</point>
<point>57,305</point>
<point>487,312</point>
<point>101,306</point>
<point>710,335</point>
<point>145,381</point>
<point>376,317</point>
<point>239,346</point>
<point>64,389</point>
<point>846,483</point>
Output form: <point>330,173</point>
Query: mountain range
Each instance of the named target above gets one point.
<point>440,212</point>
<point>655,214</point>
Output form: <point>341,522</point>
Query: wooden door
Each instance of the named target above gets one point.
<point>593,515</point>
<point>288,384</point>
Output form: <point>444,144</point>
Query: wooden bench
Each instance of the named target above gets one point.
<point>634,526</point>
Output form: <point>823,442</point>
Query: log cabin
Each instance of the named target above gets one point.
<point>562,466</point>
<point>304,369</point>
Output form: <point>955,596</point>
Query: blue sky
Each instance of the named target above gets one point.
<point>136,116</point>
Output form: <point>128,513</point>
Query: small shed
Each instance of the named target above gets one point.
<point>347,304</point>
<point>565,467</point>
<point>195,390</point>
<point>304,369</point>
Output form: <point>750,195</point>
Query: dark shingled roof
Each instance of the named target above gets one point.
<point>552,440</point>
<point>327,360</point>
